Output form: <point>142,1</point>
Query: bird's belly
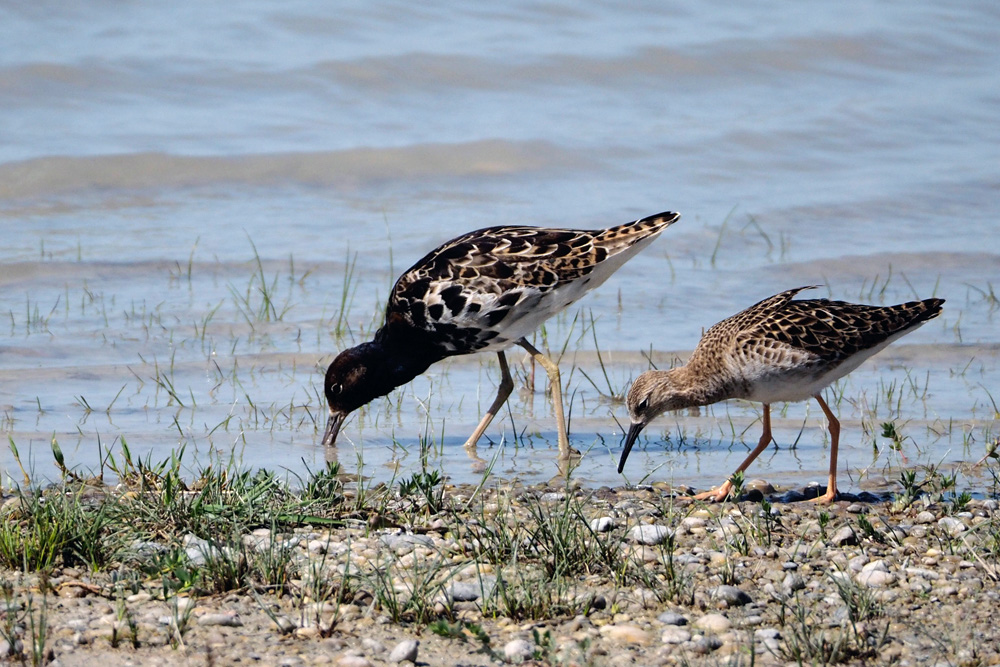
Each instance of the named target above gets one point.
<point>790,385</point>
<point>785,388</point>
<point>529,314</point>
<point>524,322</point>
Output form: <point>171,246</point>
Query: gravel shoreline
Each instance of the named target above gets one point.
<point>904,580</point>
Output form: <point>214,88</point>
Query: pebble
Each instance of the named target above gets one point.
<point>372,645</point>
<point>769,637</point>
<point>952,526</point>
<point>875,575</point>
<point>228,620</point>
<point>715,623</point>
<point>791,496</point>
<point>351,660</point>
<point>844,537</point>
<point>672,618</point>
<point>876,578</point>
<point>731,595</point>
<point>285,624</point>
<point>761,486</point>
<point>692,522</point>
<point>792,582</point>
<point>405,651</point>
<point>626,634</point>
<point>650,535</point>
<point>518,649</point>
<point>857,563</point>
<point>12,505</point>
<point>405,542</point>
<point>318,547</point>
<point>705,645</point>
<point>675,635</point>
<point>602,524</point>
<point>465,591</point>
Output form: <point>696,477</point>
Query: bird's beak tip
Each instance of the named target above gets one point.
<point>630,438</point>
<point>333,428</point>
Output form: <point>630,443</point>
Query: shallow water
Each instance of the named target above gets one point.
<point>151,154</point>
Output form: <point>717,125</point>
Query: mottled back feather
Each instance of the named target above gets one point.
<point>468,290</point>
<point>809,337</point>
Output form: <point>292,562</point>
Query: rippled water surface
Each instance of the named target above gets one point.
<point>202,204</point>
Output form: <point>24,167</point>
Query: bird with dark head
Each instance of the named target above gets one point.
<point>483,291</point>
<point>774,351</point>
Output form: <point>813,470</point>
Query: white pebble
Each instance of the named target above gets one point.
<point>602,524</point>
<point>951,525</point>
<point>876,578</point>
<point>353,661</point>
<point>675,635</point>
<point>518,649</point>
<point>649,534</point>
<point>224,620</point>
<point>405,651</point>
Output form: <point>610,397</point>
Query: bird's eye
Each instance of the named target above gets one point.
<point>335,389</point>
<point>643,405</point>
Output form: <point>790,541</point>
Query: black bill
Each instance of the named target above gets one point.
<point>633,435</point>
<point>333,428</point>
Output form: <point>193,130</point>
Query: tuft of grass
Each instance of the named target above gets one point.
<point>58,527</point>
<point>258,301</point>
<point>427,486</point>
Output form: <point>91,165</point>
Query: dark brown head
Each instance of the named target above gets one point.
<point>365,372</point>
<point>351,381</point>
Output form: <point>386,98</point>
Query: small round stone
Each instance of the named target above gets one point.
<point>731,595</point>
<point>518,649</point>
<point>602,524</point>
<point>626,634</point>
<point>405,651</point>
<point>675,635</point>
<point>951,525</point>
<point>672,618</point>
<point>844,537</point>
<point>715,623</point>
<point>650,535</point>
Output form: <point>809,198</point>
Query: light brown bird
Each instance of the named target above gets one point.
<point>776,350</point>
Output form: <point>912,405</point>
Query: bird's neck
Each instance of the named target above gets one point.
<point>705,384</point>
<point>397,357</point>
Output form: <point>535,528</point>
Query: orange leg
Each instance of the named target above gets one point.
<point>503,391</point>
<point>765,440</point>
<point>831,486</point>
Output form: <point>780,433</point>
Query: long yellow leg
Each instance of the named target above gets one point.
<point>503,391</point>
<point>834,425</point>
<point>765,440</point>
<point>556,381</point>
